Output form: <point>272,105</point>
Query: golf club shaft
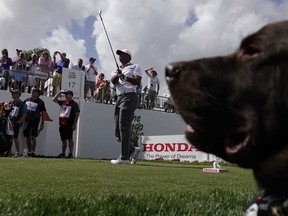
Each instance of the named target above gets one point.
<point>108,40</point>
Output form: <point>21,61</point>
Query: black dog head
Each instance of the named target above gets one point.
<point>236,106</point>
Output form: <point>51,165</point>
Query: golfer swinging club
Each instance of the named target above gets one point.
<point>126,79</point>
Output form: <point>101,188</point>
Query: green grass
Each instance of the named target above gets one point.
<point>34,186</point>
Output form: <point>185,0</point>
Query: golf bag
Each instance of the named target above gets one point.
<point>5,138</point>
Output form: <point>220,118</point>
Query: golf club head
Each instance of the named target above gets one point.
<point>100,11</point>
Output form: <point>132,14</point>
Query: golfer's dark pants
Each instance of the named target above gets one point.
<point>124,113</point>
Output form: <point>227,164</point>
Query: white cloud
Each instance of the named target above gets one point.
<point>29,24</point>
<point>62,40</point>
<point>154,30</point>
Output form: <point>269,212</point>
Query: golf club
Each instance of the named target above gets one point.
<point>108,39</point>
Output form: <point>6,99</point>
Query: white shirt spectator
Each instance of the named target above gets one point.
<point>32,66</point>
<point>152,82</point>
<point>76,67</point>
<point>91,73</point>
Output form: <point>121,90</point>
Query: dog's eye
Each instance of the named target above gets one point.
<point>251,50</point>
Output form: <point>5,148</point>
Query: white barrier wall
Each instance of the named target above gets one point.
<point>95,135</point>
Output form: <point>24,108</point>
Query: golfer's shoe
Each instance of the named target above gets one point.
<point>119,161</point>
<point>134,155</point>
<point>60,155</point>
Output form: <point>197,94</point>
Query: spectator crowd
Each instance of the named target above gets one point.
<point>38,69</point>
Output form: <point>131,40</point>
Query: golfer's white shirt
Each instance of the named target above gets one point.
<point>128,70</point>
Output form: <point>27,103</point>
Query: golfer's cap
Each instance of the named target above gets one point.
<point>92,59</point>
<point>18,50</point>
<point>15,91</point>
<point>36,90</point>
<point>118,52</point>
<point>69,92</point>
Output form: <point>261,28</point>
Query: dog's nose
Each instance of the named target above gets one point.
<point>172,71</point>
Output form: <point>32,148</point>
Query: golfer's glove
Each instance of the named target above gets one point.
<point>122,77</point>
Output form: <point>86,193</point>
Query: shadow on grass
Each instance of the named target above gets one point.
<point>175,165</point>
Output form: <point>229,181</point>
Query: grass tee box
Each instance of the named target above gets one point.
<point>38,187</point>
<point>171,147</point>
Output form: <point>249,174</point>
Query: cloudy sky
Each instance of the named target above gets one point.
<point>155,31</point>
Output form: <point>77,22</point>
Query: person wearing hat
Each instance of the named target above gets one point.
<point>90,78</point>
<point>17,57</point>
<point>57,74</point>
<point>153,87</point>
<point>126,79</point>
<point>35,113</point>
<point>68,118</point>
<point>17,117</point>
<point>6,63</point>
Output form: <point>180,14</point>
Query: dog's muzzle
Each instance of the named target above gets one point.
<point>172,72</point>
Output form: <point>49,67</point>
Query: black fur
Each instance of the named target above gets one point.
<point>238,104</point>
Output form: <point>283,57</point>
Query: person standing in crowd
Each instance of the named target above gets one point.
<point>69,115</point>
<point>32,79</point>
<point>90,81</point>
<point>17,57</point>
<point>19,75</point>
<point>44,68</point>
<point>99,83</point>
<point>100,80</point>
<point>107,92</point>
<point>104,92</point>
<point>6,63</point>
<point>79,66</point>
<point>153,87</point>
<point>17,117</point>
<point>35,113</point>
<point>57,74</point>
<point>126,79</point>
